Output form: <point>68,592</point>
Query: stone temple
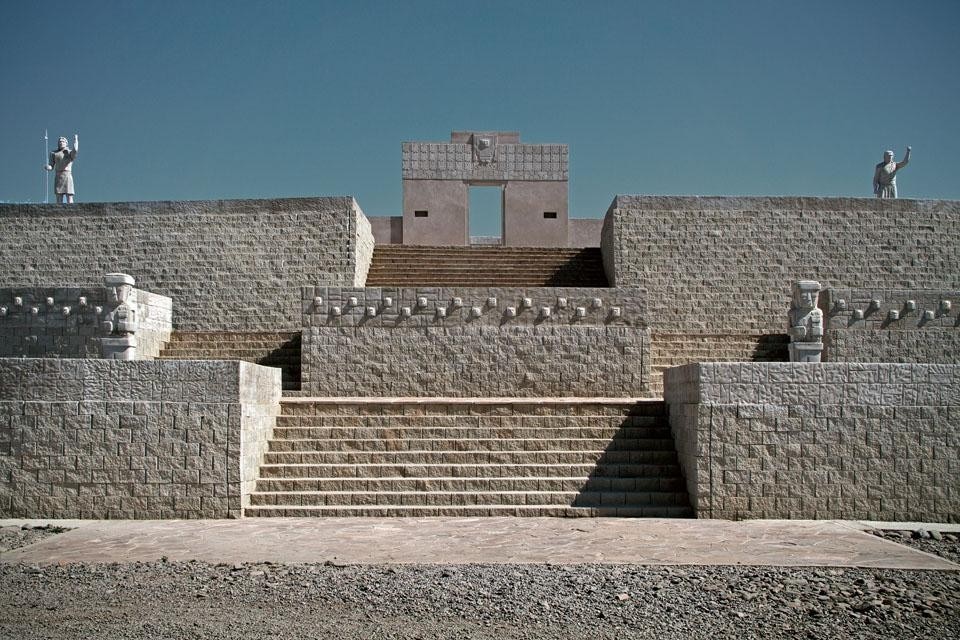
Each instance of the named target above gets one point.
<point>713,357</point>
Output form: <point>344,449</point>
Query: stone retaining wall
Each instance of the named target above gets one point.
<point>144,440</point>
<point>831,440</point>
<point>366,347</point>
<point>228,265</point>
<point>726,264</point>
<point>72,326</point>
<point>891,325</point>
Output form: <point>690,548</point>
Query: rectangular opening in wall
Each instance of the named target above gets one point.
<point>485,214</point>
<point>550,215</point>
<point>420,213</point>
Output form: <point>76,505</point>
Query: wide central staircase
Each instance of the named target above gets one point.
<point>485,266</point>
<point>470,457</point>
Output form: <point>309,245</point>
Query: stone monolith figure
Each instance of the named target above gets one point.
<point>885,175</point>
<point>61,161</point>
<point>121,323</point>
<point>806,323</point>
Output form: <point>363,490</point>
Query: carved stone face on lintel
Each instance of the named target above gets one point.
<point>484,148</point>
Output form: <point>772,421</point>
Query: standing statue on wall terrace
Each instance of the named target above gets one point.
<point>885,175</point>
<point>806,323</point>
<point>61,161</point>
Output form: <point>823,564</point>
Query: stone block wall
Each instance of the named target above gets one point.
<point>829,440</point>
<point>71,327</point>
<point>726,265</point>
<point>485,343</point>
<point>228,265</point>
<point>144,440</point>
<point>363,244</point>
<point>891,325</point>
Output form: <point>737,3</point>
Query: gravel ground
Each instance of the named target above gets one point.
<point>945,545</point>
<point>198,600</point>
<point>16,537</point>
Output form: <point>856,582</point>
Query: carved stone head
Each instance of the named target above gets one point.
<point>119,286</point>
<point>887,156</point>
<point>805,294</point>
<point>61,143</point>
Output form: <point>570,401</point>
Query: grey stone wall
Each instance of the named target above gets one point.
<point>725,264</point>
<point>71,327</point>
<point>366,347</point>
<point>584,232</point>
<point>228,265</point>
<point>830,440</point>
<point>891,325</point>
<point>363,244</point>
<point>115,439</point>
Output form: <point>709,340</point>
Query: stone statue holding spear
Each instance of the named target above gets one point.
<point>61,161</point>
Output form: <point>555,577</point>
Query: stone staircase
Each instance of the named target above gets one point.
<point>485,266</point>
<point>470,457</point>
<point>272,349</point>
<point>674,349</point>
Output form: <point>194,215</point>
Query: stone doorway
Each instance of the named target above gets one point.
<point>485,214</point>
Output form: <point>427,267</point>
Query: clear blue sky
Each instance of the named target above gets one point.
<point>198,100</point>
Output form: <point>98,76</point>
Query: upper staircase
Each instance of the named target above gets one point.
<point>485,266</point>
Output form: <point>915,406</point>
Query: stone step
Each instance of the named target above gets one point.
<point>468,498</point>
<point>235,336</point>
<point>471,267</point>
<point>393,434</point>
<point>558,483</point>
<point>430,470</point>
<point>266,345</point>
<point>470,456</point>
<point>555,511</point>
<point>404,249</point>
<point>232,354</point>
<point>436,420</point>
<point>469,444</point>
<point>473,407</point>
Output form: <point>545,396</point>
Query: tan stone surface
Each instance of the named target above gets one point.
<point>480,540</point>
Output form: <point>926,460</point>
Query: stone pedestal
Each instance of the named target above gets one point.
<point>805,351</point>
<point>119,347</point>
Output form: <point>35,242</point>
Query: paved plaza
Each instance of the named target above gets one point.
<point>481,540</point>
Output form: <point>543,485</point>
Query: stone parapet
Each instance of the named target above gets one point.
<point>228,265</point>
<point>120,439</point>
<point>67,322</point>
<point>892,325</point>
<point>726,264</point>
<point>827,440</point>
<point>474,342</point>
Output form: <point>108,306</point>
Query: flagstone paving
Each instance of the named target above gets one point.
<point>477,540</point>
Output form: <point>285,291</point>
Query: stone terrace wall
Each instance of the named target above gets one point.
<point>227,264</point>
<point>69,329</point>
<point>476,349</point>
<point>721,265</point>
<point>145,440</point>
<point>830,440</point>
<point>906,325</point>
